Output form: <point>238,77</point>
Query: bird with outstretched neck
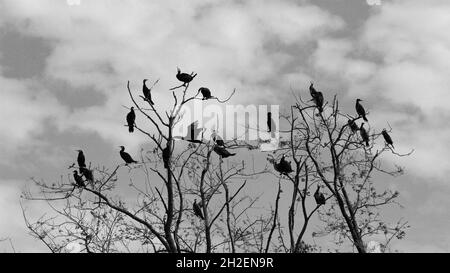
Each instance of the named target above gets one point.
<point>360,110</point>
<point>126,156</point>
<point>197,210</point>
<point>131,117</point>
<point>364,134</point>
<point>147,93</point>
<point>312,91</point>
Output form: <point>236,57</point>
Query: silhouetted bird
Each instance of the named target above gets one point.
<point>269,122</point>
<point>198,210</point>
<point>319,101</point>
<point>319,197</point>
<point>184,77</point>
<point>147,93</point>
<point>283,167</point>
<point>126,156</point>
<point>360,110</point>
<point>78,179</point>
<point>205,92</point>
<point>312,90</point>
<point>387,138</point>
<point>364,135</point>
<point>87,174</point>
<point>217,139</point>
<point>81,159</point>
<point>166,156</point>
<point>224,153</point>
<point>352,125</point>
<point>131,117</point>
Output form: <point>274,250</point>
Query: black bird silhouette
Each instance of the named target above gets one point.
<point>87,174</point>
<point>319,101</point>
<point>198,210</point>
<point>78,179</point>
<point>184,77</point>
<point>387,138</point>
<point>283,167</point>
<point>312,90</point>
<point>352,125</point>
<point>360,110</point>
<point>131,117</point>
<point>166,156</point>
<point>269,122</point>
<point>319,197</point>
<point>147,93</point>
<point>224,153</point>
<point>217,139</point>
<point>206,93</point>
<point>364,135</point>
<point>81,159</point>
<point>126,156</point>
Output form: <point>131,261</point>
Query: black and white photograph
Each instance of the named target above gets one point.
<point>233,128</point>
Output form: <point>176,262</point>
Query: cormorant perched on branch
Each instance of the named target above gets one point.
<point>184,77</point>
<point>131,117</point>
<point>147,93</point>
<point>81,159</point>
<point>319,101</point>
<point>217,139</point>
<point>283,167</point>
<point>387,138</point>
<point>360,110</point>
<point>352,125</point>
<point>87,174</point>
<point>166,156</point>
<point>364,135</point>
<point>198,210</point>
<point>269,122</point>
<point>206,93</point>
<point>224,153</point>
<point>126,156</point>
<point>78,179</point>
<point>312,91</point>
<point>319,197</point>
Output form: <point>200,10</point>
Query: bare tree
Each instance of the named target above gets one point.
<point>325,154</point>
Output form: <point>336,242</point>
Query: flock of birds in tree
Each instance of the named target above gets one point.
<point>283,166</point>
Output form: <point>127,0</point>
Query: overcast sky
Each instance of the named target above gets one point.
<point>64,68</point>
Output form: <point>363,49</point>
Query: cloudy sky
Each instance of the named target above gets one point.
<point>64,68</point>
